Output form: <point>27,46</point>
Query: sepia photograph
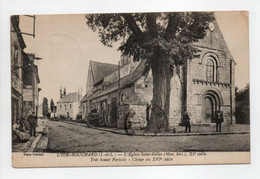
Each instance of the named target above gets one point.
<point>112,89</point>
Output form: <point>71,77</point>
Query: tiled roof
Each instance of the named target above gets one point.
<point>71,97</point>
<point>125,81</point>
<point>85,98</point>
<point>100,70</point>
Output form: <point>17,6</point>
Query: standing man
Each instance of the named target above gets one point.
<point>186,120</point>
<point>32,119</point>
<point>219,120</point>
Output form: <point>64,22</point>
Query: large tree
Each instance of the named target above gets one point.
<point>45,108</point>
<point>164,40</point>
<point>52,105</point>
<point>243,106</point>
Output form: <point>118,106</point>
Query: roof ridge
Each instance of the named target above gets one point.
<point>71,97</point>
<point>91,61</point>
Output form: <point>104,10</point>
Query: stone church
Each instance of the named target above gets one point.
<point>202,86</point>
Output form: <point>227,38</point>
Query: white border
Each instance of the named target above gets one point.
<point>8,7</point>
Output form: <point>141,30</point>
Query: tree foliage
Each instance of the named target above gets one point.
<point>164,40</point>
<point>142,34</point>
<point>52,105</point>
<point>45,108</point>
<point>243,106</point>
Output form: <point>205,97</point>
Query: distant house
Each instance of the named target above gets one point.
<point>69,105</point>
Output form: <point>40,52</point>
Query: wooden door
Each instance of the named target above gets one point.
<point>208,110</point>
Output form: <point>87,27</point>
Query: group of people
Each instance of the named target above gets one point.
<point>22,124</point>
<point>218,120</point>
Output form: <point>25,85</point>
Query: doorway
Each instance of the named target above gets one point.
<point>208,109</point>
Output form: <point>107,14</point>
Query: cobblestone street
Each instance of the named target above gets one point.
<point>65,137</point>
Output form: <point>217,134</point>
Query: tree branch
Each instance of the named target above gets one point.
<point>132,24</point>
<point>151,25</point>
<point>172,24</point>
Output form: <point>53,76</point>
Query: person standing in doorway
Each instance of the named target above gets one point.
<point>186,120</point>
<point>219,120</point>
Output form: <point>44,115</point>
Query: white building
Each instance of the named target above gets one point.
<point>69,105</point>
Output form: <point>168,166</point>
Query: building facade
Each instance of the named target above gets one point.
<point>69,106</point>
<point>202,86</point>
<point>31,88</point>
<point>24,76</point>
<point>17,46</point>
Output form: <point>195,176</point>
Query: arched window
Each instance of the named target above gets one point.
<point>211,65</point>
<point>210,71</point>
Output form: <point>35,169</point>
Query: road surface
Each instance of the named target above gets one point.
<point>64,137</point>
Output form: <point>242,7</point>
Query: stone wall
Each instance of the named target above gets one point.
<point>134,97</point>
<point>138,119</point>
<point>197,84</point>
<point>144,90</point>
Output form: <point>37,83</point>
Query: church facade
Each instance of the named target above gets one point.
<point>202,86</point>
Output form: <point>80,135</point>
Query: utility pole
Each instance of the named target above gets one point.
<point>118,81</point>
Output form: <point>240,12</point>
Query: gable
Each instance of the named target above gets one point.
<point>90,81</point>
<point>100,70</point>
<point>71,97</point>
<point>214,40</point>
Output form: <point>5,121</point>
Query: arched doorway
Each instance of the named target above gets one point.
<point>209,107</point>
<point>210,100</point>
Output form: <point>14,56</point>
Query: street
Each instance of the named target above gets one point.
<point>64,137</point>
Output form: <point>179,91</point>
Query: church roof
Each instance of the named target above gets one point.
<point>124,82</point>
<point>85,98</point>
<point>100,70</point>
<point>71,97</point>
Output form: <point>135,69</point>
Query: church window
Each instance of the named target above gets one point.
<point>210,71</point>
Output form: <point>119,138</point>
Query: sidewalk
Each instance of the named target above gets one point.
<point>196,130</point>
<point>31,144</point>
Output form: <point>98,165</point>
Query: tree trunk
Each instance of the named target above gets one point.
<point>159,120</point>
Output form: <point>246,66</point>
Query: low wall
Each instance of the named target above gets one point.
<point>137,117</point>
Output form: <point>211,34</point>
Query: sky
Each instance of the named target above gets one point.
<point>66,45</point>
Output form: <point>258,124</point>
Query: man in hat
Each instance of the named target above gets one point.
<point>32,119</point>
<point>219,120</point>
<point>186,121</point>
